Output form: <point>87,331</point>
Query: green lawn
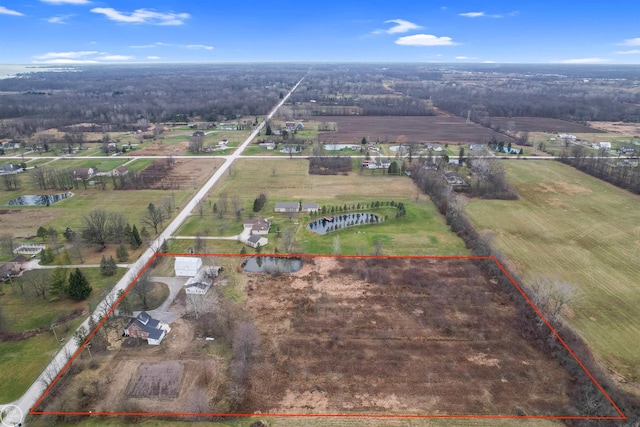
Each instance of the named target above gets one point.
<point>571,226</point>
<point>421,231</point>
<point>26,359</point>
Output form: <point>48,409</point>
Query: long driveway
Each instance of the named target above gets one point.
<point>62,358</point>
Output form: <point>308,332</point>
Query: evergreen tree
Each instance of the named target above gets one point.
<point>79,287</point>
<point>164,249</point>
<point>47,256</point>
<point>136,241</point>
<point>42,233</point>
<point>58,283</point>
<point>268,131</point>
<point>122,254</point>
<point>108,266</point>
<point>243,250</point>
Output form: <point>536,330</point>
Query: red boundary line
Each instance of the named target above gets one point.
<point>621,416</point>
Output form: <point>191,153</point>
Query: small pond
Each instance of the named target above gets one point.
<point>38,200</point>
<point>270,264</point>
<point>333,223</point>
<point>338,147</point>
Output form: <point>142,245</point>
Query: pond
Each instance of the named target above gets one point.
<point>38,200</point>
<point>334,223</point>
<point>271,265</point>
<point>338,147</point>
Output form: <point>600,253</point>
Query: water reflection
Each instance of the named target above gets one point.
<point>271,265</point>
<point>38,200</point>
<point>327,224</point>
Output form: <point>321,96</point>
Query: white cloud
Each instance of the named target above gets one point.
<point>66,1</point>
<point>583,61</point>
<point>199,46</point>
<point>115,58</point>
<point>145,46</point>
<point>401,26</point>
<point>68,61</point>
<point>628,52</point>
<point>66,55</point>
<point>472,14</point>
<point>462,58</point>
<point>5,11</point>
<point>489,62</point>
<point>425,40</point>
<point>153,57</point>
<point>143,16</point>
<point>60,19</point>
<point>631,42</point>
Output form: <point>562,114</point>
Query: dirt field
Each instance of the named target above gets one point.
<point>185,173</point>
<point>446,129</point>
<point>435,338</point>
<point>627,129</point>
<point>539,124</point>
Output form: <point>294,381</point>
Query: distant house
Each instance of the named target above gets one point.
<point>290,126</point>
<point>257,226</point>
<point>310,207</point>
<point>187,266</point>
<point>604,145</point>
<point>120,171</point>
<point>432,146</point>
<point>198,133</point>
<point>145,327</point>
<point>83,173</point>
<point>627,150</point>
<point>287,207</point>
<point>10,168</point>
<point>200,284</point>
<point>476,147</point>
<point>255,239</point>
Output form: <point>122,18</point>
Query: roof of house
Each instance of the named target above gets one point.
<point>20,259</point>
<point>199,285</point>
<point>258,224</point>
<point>122,169</point>
<point>255,238</point>
<point>146,323</point>
<point>287,205</point>
<point>309,205</point>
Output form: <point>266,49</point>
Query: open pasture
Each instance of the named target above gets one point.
<point>569,226</point>
<point>541,124</point>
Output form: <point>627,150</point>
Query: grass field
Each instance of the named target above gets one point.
<point>27,358</point>
<point>573,227</point>
<point>422,231</point>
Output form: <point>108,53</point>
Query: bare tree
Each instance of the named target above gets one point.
<point>154,217</point>
<point>10,181</point>
<point>552,295</point>
<point>39,282</point>
<point>288,239</point>
<point>196,144</point>
<point>97,225</point>
<point>6,240</point>
<point>117,226</point>
<point>222,205</point>
<point>200,206</point>
<point>236,203</point>
<point>142,288</point>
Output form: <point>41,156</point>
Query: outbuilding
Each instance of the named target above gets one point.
<point>187,266</point>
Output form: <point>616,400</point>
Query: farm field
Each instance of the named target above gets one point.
<point>540,124</point>
<point>421,231</point>
<point>575,228</point>
<point>446,129</point>
<point>377,336</point>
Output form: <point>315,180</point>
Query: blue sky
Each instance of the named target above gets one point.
<point>116,31</point>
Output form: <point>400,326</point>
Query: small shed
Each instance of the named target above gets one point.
<point>187,266</point>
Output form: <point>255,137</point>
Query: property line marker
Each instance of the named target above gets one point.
<point>620,417</point>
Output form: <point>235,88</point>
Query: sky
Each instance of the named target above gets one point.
<point>134,31</point>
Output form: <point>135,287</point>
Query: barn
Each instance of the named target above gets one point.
<point>187,266</point>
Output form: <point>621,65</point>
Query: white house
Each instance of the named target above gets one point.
<point>257,226</point>
<point>604,145</point>
<point>187,266</point>
<point>256,239</point>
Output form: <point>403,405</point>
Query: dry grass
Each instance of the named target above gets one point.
<point>574,227</point>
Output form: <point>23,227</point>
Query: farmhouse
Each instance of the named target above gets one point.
<point>10,168</point>
<point>287,207</point>
<point>476,147</point>
<point>120,171</point>
<point>83,173</point>
<point>604,145</point>
<point>187,266</point>
<point>200,284</point>
<point>310,207</point>
<point>256,240</point>
<point>145,327</point>
<point>198,133</point>
<point>257,226</point>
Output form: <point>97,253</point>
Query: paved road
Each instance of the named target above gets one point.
<point>60,360</point>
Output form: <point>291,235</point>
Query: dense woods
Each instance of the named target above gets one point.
<point>129,97</point>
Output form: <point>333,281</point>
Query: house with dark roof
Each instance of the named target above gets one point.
<point>256,240</point>
<point>287,207</point>
<point>257,225</point>
<point>83,173</point>
<point>146,327</point>
<point>310,207</point>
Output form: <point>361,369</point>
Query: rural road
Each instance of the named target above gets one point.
<point>23,405</point>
